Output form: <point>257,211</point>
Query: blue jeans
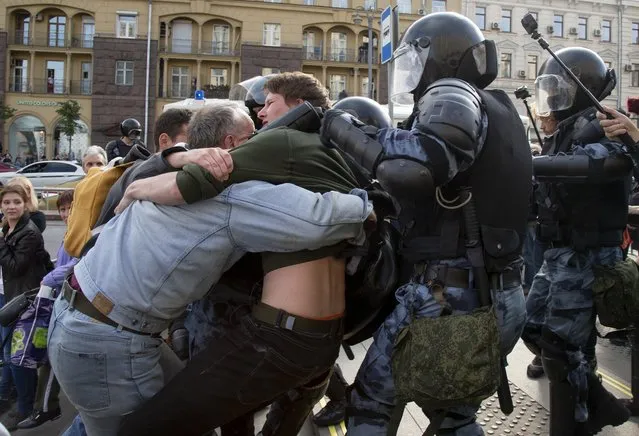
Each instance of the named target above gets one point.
<point>24,379</point>
<point>375,390</point>
<point>105,372</point>
<point>76,429</point>
<point>6,384</point>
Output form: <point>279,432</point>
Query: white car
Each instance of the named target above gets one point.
<point>47,173</point>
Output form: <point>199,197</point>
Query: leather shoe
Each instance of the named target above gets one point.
<point>38,417</point>
<point>333,413</point>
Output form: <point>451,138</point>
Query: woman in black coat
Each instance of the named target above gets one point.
<point>24,262</point>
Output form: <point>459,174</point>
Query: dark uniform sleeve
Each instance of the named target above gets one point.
<point>263,158</point>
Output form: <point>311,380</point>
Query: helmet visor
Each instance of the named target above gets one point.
<point>554,92</point>
<point>239,91</point>
<point>408,65</point>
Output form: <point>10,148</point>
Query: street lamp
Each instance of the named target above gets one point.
<point>357,19</point>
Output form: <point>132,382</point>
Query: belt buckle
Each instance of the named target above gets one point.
<point>290,322</point>
<point>72,299</point>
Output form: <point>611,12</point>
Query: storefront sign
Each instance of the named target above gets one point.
<point>37,103</point>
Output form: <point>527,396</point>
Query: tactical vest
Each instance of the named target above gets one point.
<point>581,216</point>
<point>500,182</point>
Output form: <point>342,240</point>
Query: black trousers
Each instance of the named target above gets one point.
<point>251,366</point>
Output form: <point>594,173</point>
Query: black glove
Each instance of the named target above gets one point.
<point>329,117</point>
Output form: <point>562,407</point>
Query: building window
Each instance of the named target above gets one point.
<point>605,30</point>
<point>309,2</point>
<point>27,138</point>
<point>20,75</point>
<point>268,70</point>
<point>339,3</point>
<point>404,7</point>
<point>272,1</point>
<point>582,28</point>
<point>370,4</point>
<point>635,75</point>
<point>338,47</point>
<point>532,67</point>
<point>558,25</point>
<point>337,85</point>
<point>127,26</point>
<point>439,5</point>
<point>635,33</point>
<point>506,20</point>
<point>221,37</point>
<point>271,35</point>
<point>124,73</point>
<point>506,65</point>
<point>480,17</point>
<point>180,82</point>
<point>57,27</point>
<point>310,51</point>
<point>218,76</point>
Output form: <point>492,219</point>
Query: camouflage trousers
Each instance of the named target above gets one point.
<point>560,300</point>
<point>372,399</point>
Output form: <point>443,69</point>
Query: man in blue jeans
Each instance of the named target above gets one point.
<point>104,342</point>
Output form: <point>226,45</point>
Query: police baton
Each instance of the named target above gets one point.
<point>531,26</point>
<point>523,94</point>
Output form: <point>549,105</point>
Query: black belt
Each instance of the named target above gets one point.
<point>460,278</point>
<point>282,319</point>
<point>78,301</point>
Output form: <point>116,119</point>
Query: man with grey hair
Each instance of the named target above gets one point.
<point>93,156</point>
<point>223,124</point>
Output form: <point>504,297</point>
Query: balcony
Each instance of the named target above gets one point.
<point>82,40</point>
<point>49,86</point>
<point>180,91</point>
<point>81,87</point>
<point>20,38</point>
<point>20,86</point>
<point>46,39</point>
<point>216,91</point>
<point>184,46</point>
<point>217,48</point>
<point>341,55</point>
<point>312,53</point>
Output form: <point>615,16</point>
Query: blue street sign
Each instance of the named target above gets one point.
<point>387,35</point>
<point>199,94</point>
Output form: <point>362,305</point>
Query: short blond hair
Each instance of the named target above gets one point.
<point>32,204</point>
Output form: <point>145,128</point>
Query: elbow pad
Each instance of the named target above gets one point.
<point>405,178</point>
<point>451,110</point>
<point>344,131</point>
<point>579,169</point>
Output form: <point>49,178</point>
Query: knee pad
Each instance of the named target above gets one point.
<point>533,347</point>
<point>531,336</point>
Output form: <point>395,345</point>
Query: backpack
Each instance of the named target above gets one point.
<point>88,199</point>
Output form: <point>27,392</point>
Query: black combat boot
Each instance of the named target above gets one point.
<point>603,407</point>
<point>535,368</point>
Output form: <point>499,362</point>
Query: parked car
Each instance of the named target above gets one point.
<point>47,173</point>
<point>7,168</point>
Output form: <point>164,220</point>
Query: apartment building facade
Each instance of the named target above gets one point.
<point>96,53</point>
<point>609,27</point>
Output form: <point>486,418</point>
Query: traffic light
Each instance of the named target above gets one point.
<point>633,105</point>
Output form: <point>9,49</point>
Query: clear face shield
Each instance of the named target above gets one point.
<point>408,66</point>
<point>554,92</point>
<point>250,89</point>
<point>135,134</point>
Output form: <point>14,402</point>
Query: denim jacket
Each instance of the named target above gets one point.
<point>151,261</point>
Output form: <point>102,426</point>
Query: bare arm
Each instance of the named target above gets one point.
<point>619,125</point>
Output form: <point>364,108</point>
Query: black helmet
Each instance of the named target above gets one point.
<point>251,92</point>
<point>437,46</point>
<point>131,128</point>
<point>366,110</point>
<point>557,93</point>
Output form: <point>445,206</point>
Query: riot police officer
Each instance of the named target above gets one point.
<point>251,92</point>
<point>582,199</point>
<point>459,137</point>
<point>131,131</point>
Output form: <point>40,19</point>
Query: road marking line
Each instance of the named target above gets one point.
<point>620,386</point>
